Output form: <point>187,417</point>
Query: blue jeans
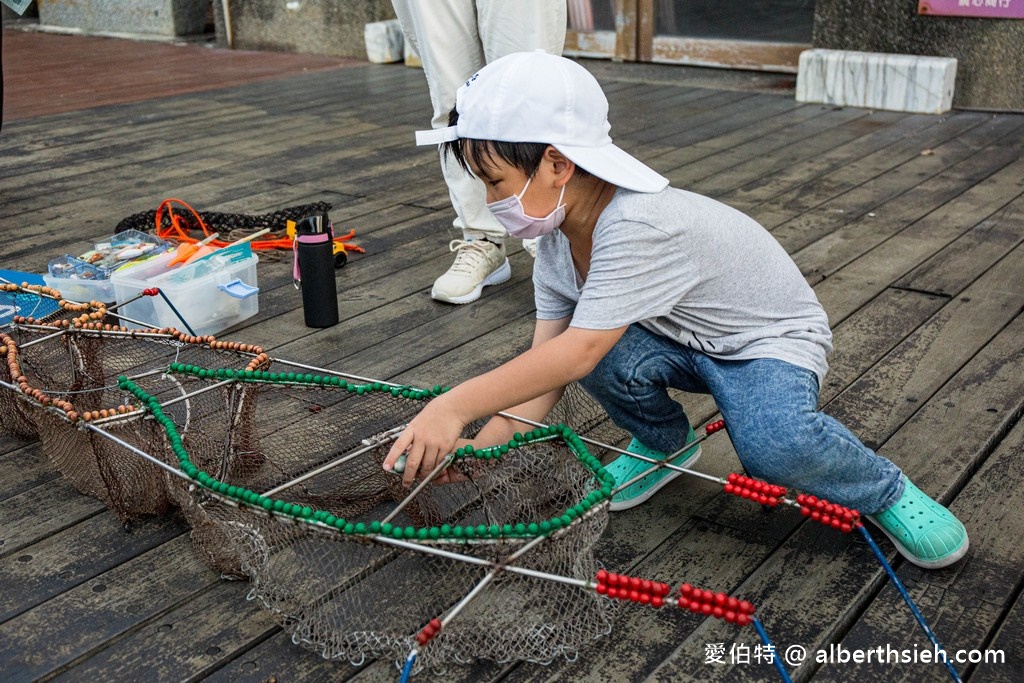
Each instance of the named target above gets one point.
<point>770,409</point>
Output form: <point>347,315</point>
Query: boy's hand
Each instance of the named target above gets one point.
<point>425,442</point>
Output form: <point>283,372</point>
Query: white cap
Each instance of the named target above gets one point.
<point>538,97</point>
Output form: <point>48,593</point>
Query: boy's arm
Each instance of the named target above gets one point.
<point>530,382</point>
<point>500,429</point>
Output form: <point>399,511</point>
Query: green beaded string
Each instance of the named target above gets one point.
<point>330,381</point>
<point>321,517</point>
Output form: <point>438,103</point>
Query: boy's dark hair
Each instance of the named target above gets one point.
<point>525,156</point>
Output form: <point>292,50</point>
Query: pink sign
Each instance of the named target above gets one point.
<point>992,9</point>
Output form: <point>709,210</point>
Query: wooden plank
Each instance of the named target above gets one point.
<point>218,152</point>
<point>79,553</point>
<point>184,643</point>
<point>856,283</point>
<point>761,139</point>
<point>172,123</point>
<point>49,638</point>
<point>825,256</point>
<point>406,349</point>
<point>669,151</point>
<point>879,134</point>
<point>920,365</point>
<point>96,222</point>
<point>704,554</point>
<point>21,521</point>
<point>372,305</point>
<point>1010,667</point>
<point>974,252</point>
<point>623,96</point>
<point>365,83</point>
<point>278,658</point>
<point>821,136</point>
<point>173,141</point>
<point>868,335</point>
<point>818,219</point>
<point>975,416</point>
<point>694,120</point>
<point>166,150</point>
<point>966,602</point>
<point>24,468</point>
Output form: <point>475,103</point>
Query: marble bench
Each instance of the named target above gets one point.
<point>895,82</point>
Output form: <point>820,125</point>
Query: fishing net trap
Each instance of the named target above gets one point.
<point>277,467</point>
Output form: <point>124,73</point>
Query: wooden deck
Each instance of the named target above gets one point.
<point>910,228</point>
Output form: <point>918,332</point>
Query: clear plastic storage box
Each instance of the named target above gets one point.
<point>211,294</point>
<point>87,277</point>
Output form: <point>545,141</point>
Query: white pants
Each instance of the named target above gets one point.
<point>454,39</point>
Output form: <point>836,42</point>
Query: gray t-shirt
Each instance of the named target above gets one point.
<point>691,269</point>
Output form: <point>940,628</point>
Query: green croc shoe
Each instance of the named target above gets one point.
<point>922,530</point>
<point>625,468</point>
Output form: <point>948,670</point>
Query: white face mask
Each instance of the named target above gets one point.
<point>510,213</point>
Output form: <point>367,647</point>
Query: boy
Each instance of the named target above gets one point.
<point>641,287</point>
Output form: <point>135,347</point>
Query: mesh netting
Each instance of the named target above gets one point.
<point>288,489</point>
<point>279,474</point>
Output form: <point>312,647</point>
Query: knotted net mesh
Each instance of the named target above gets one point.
<point>288,489</point>
<point>61,373</point>
<point>279,475</point>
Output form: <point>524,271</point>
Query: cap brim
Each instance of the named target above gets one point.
<point>610,163</point>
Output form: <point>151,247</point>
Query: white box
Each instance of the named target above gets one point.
<point>211,294</point>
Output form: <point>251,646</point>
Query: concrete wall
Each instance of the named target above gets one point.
<point>326,27</point>
<point>157,17</point>
<point>989,52</point>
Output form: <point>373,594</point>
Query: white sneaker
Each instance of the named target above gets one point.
<point>478,263</point>
<point>530,246</point>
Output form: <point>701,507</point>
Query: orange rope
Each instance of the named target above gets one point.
<point>179,234</point>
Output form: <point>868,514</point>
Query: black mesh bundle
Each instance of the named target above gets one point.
<point>224,223</point>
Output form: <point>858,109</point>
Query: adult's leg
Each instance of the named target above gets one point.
<point>445,34</point>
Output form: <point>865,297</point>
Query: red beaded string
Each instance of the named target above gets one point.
<point>754,489</point>
<point>632,588</point>
<point>428,632</point>
<point>718,605</point>
<point>715,426</point>
<point>830,514</point>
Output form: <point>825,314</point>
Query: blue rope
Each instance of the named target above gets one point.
<point>907,599</point>
<point>407,669</point>
<point>777,658</point>
<point>180,316</point>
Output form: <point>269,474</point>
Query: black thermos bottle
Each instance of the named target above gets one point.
<point>314,260</point>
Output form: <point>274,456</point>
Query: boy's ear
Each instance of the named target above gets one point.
<point>561,165</point>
